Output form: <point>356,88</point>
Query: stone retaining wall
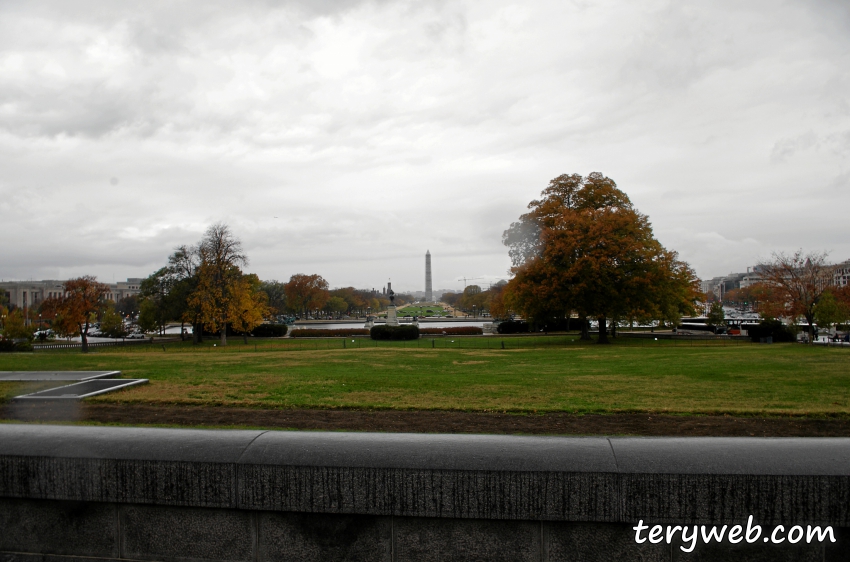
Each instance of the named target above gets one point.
<point>171,494</point>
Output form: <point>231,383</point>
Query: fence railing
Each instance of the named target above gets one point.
<point>78,345</point>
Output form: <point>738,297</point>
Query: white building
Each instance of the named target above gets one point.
<point>28,294</point>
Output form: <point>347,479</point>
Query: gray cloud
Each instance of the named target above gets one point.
<point>376,130</point>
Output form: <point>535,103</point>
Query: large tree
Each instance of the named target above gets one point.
<point>276,293</point>
<point>584,249</point>
<point>219,274</point>
<point>307,292</point>
<point>798,281</point>
<point>74,311</point>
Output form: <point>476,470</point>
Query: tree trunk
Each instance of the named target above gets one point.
<point>603,330</point>
<point>84,347</point>
<point>182,330</point>
<point>811,320</point>
<point>224,331</point>
<point>613,328</point>
<point>197,333</point>
<point>585,331</point>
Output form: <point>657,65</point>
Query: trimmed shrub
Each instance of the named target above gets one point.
<point>513,327</point>
<point>270,330</point>
<point>452,331</point>
<point>384,332</point>
<point>322,333</point>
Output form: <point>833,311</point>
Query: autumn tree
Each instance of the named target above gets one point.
<point>798,281</point>
<point>15,326</point>
<point>276,294</point>
<point>355,300</point>
<point>74,311</point>
<point>248,304</point>
<point>497,306</point>
<point>306,292</point>
<point>583,248</point>
<point>218,275</point>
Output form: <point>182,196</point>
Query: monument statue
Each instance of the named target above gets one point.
<point>392,318</point>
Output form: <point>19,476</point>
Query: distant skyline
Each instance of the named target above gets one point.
<point>345,138</point>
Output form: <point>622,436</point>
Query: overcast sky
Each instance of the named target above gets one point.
<point>347,138</point>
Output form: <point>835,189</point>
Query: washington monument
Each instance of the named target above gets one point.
<point>428,295</point>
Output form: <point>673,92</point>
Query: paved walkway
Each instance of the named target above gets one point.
<point>55,375</point>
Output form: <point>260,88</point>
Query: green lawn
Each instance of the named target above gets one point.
<point>533,374</point>
<point>410,310</point>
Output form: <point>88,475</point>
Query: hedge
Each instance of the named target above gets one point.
<point>384,332</point>
<point>10,345</point>
<point>513,327</point>
<point>270,330</point>
<point>323,333</point>
<point>453,331</point>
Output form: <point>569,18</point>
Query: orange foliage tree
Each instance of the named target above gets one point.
<point>306,292</point>
<point>218,293</point>
<point>73,312</point>
<point>583,248</point>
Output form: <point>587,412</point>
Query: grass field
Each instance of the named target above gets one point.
<point>410,310</point>
<point>533,374</point>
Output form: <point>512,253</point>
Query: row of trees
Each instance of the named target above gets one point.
<point>204,285</point>
<point>474,298</point>
<point>584,250</point>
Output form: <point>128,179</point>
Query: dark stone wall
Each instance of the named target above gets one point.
<point>78,493</point>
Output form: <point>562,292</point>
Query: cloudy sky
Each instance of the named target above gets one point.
<point>346,138</point>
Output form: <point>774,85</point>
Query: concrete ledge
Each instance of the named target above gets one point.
<point>69,494</point>
<point>700,480</point>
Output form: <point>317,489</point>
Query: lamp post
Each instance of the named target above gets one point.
<point>474,315</point>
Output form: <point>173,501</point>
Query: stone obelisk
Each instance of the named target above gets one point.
<point>428,294</point>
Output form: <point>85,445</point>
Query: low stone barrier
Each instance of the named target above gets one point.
<point>181,495</point>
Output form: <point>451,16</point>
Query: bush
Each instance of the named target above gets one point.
<point>453,331</point>
<point>771,329</point>
<point>8,345</point>
<point>270,330</point>
<point>384,332</point>
<point>513,327</point>
<point>322,333</point>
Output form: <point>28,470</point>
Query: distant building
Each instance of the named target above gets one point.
<point>841,274</point>
<point>719,286</point>
<point>28,294</point>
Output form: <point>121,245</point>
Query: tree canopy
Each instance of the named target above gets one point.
<point>583,248</point>
<point>75,310</point>
<point>797,282</point>
<point>307,292</point>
